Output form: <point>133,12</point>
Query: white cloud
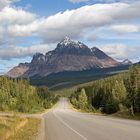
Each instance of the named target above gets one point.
<point>23,30</point>
<point>73,23</point>
<point>4,3</point>
<point>10,15</point>
<point>78,1</point>
<point>120,51</point>
<point>1,33</point>
<point>126,28</point>
<point>92,37</point>
<point>8,53</point>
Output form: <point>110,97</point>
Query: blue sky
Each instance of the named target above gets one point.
<point>48,7</point>
<point>30,26</point>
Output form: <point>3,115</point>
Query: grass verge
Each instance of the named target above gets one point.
<point>126,115</point>
<point>121,114</point>
<point>15,128</point>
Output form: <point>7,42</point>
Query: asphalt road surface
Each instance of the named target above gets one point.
<point>62,123</point>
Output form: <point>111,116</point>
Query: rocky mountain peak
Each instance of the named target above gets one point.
<point>38,56</point>
<point>68,46</point>
<point>24,64</point>
<point>98,53</point>
<point>66,41</point>
<point>127,62</point>
<point>38,59</point>
<point>69,43</point>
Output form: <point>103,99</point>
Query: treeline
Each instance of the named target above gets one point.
<point>111,94</point>
<point>19,95</point>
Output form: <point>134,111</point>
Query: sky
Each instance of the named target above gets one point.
<point>30,26</point>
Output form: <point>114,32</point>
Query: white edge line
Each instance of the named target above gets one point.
<point>69,127</point>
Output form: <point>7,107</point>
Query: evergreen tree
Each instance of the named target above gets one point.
<point>82,100</point>
<point>132,83</point>
<point>17,94</point>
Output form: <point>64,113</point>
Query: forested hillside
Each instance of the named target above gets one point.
<point>18,95</point>
<point>111,94</point>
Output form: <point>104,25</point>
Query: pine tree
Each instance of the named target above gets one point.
<point>83,100</point>
<point>133,85</point>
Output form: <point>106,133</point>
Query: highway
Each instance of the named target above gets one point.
<point>62,123</point>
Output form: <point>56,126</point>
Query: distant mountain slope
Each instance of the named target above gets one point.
<point>71,78</point>
<point>127,62</point>
<point>18,70</point>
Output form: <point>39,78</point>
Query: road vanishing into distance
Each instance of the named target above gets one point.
<point>62,123</point>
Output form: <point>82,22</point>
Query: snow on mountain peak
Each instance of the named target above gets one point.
<point>66,41</point>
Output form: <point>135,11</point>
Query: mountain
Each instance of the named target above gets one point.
<point>18,70</point>
<point>127,62</point>
<point>69,55</point>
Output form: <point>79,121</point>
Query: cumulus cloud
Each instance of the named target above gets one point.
<point>74,22</point>
<point>92,37</point>
<point>4,3</point>
<point>10,15</point>
<point>1,33</point>
<point>8,53</point>
<point>23,30</point>
<point>126,28</point>
<point>120,51</point>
